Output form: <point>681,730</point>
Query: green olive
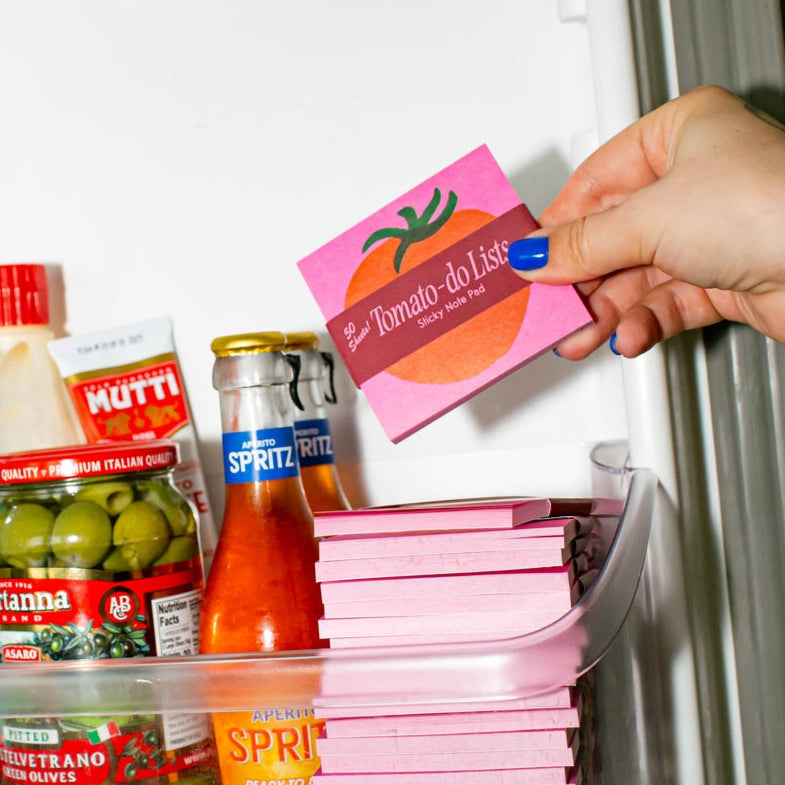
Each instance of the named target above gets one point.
<point>142,533</point>
<point>3,511</point>
<point>116,650</point>
<point>181,518</point>
<point>113,496</point>
<point>116,562</point>
<point>160,492</point>
<point>167,498</point>
<point>82,535</point>
<point>179,549</point>
<point>25,535</point>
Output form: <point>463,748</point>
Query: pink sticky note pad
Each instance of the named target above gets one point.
<point>560,698</point>
<point>457,742</point>
<point>457,515</point>
<point>421,302</point>
<point>443,563</point>
<point>496,623</point>
<point>425,639</point>
<point>540,776</point>
<point>538,534</point>
<point>448,761</point>
<point>453,723</point>
<point>446,604</point>
<point>550,579</point>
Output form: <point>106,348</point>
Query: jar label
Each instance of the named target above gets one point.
<point>314,442</point>
<point>63,618</point>
<point>267,746</point>
<point>95,750</point>
<point>266,454</point>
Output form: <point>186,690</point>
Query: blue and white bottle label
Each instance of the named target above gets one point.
<point>314,442</point>
<point>251,456</point>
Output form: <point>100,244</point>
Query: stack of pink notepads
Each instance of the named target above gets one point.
<point>447,573</point>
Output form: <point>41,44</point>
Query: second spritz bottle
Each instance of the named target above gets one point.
<point>321,482</point>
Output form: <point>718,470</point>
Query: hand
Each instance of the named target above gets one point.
<point>677,222</point>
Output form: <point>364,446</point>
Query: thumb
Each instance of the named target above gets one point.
<point>588,248</point>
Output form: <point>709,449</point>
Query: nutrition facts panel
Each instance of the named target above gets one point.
<point>175,620</point>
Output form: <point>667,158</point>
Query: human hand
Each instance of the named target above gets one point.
<point>677,222</point>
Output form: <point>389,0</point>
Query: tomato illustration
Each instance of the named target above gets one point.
<point>469,348</point>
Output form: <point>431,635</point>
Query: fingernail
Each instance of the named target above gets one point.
<point>612,345</point>
<point>531,253</point>
<point>556,351</point>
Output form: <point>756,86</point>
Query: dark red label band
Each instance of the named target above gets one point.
<point>432,298</point>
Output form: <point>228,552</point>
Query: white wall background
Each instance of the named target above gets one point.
<point>180,157</point>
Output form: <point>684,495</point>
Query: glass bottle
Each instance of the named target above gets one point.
<point>35,412</point>
<point>261,593</point>
<point>311,426</point>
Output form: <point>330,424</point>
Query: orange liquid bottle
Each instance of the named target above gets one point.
<point>261,594</point>
<point>311,427</point>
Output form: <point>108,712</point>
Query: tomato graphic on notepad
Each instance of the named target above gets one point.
<point>467,349</point>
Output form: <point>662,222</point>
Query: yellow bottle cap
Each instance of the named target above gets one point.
<point>248,343</point>
<point>301,340</point>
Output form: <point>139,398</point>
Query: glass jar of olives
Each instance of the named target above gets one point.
<point>111,508</point>
<point>100,559</point>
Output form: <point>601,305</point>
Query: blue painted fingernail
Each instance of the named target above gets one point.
<point>612,345</point>
<point>556,351</point>
<point>531,253</point>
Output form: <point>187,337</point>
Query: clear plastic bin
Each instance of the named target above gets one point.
<point>402,676</point>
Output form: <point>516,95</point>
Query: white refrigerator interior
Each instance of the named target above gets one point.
<point>179,158</point>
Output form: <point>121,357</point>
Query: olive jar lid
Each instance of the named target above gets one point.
<point>87,460</point>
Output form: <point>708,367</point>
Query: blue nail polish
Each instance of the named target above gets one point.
<point>531,253</point>
<point>612,345</point>
<point>556,351</point>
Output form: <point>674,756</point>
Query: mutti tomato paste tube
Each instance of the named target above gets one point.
<point>421,302</point>
<point>126,385</point>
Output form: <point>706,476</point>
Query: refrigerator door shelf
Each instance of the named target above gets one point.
<point>474,674</point>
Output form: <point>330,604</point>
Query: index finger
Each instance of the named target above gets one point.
<point>637,156</point>
<point>634,158</point>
